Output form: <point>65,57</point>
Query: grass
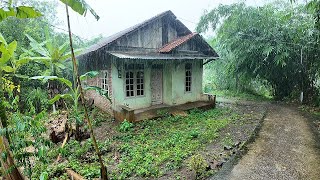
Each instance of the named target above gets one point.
<point>240,95</point>
<point>166,142</point>
<point>146,149</point>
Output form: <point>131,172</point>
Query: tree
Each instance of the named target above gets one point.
<point>54,57</point>
<point>265,43</point>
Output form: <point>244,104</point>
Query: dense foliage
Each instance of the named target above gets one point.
<point>274,45</point>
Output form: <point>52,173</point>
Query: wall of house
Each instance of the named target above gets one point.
<point>100,101</point>
<point>119,97</point>
<point>179,95</point>
<point>149,36</point>
<point>173,87</point>
<point>167,83</point>
<point>172,32</point>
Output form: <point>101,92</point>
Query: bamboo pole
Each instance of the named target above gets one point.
<point>104,175</point>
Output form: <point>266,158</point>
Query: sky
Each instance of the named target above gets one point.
<point>117,15</point>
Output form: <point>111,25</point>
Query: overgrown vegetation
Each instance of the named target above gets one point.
<point>147,149</point>
<point>269,50</point>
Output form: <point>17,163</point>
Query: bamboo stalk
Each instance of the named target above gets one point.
<point>75,71</point>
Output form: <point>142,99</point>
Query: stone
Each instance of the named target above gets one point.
<point>227,148</point>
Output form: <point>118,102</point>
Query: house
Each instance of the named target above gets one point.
<point>152,66</point>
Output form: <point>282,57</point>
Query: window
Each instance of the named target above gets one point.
<point>134,80</point>
<point>104,81</point>
<point>188,68</point>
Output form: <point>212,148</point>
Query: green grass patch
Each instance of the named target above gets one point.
<point>157,146</point>
<point>241,95</point>
<point>145,149</point>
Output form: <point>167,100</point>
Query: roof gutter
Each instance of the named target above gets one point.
<point>209,60</point>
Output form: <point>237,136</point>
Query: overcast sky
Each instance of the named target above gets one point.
<point>116,15</point>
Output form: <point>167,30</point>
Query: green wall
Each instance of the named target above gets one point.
<point>179,96</point>
<point>118,88</point>
<point>173,85</point>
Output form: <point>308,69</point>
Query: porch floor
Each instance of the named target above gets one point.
<point>156,111</point>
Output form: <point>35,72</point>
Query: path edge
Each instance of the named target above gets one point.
<point>228,166</point>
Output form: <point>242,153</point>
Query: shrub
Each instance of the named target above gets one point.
<point>198,164</point>
<point>194,134</point>
<point>35,100</point>
<point>125,126</point>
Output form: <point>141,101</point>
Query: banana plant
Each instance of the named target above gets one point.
<point>81,7</point>
<point>8,67</point>
<point>6,56</point>
<point>53,56</point>
<point>50,53</point>
<point>7,9</point>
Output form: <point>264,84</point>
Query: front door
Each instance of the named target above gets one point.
<point>156,84</point>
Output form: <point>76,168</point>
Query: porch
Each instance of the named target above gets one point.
<point>155,111</point>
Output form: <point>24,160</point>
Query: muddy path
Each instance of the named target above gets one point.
<point>286,148</point>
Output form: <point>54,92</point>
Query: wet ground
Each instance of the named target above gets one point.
<point>286,148</point>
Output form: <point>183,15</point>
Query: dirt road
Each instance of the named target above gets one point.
<point>286,148</point>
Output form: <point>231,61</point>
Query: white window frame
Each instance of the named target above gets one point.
<point>188,77</point>
<point>136,81</point>
<point>103,81</point>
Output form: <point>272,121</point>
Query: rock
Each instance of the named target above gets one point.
<point>237,144</point>
<point>215,164</point>
<point>227,148</point>
<point>220,164</point>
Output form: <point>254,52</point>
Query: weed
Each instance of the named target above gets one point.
<point>125,126</point>
<point>198,164</point>
<point>163,113</point>
<point>228,140</point>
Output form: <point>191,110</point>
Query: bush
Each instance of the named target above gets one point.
<point>34,100</point>
<point>125,126</point>
<point>198,164</point>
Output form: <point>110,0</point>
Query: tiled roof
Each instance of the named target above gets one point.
<point>175,43</point>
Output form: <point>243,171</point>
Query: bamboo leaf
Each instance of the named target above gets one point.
<point>63,47</point>
<point>21,76</point>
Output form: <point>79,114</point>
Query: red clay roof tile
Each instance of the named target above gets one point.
<point>175,43</point>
